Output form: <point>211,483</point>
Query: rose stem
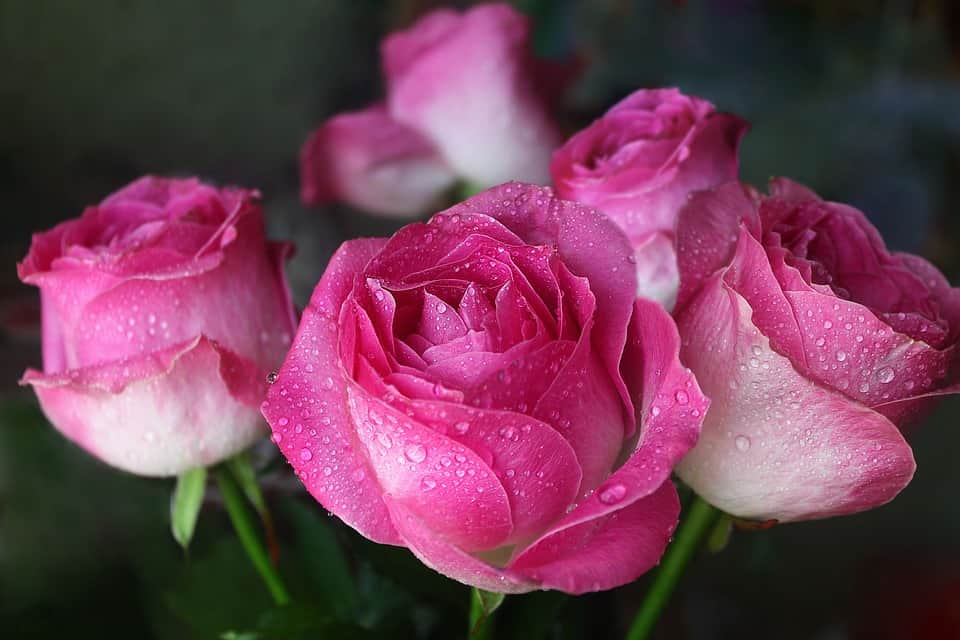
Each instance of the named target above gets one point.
<point>700,518</point>
<point>246,532</point>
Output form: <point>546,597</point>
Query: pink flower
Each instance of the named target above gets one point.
<point>465,100</point>
<point>639,162</point>
<point>486,390</point>
<point>815,345</point>
<point>163,309</point>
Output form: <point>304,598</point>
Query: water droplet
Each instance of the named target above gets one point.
<point>612,494</point>
<point>306,455</point>
<point>682,397</point>
<point>885,375</point>
<point>427,484</point>
<point>272,377</point>
<point>742,443</point>
<point>327,471</point>
<point>841,356</point>
<point>508,433</point>
<point>655,411</point>
<point>461,427</point>
<point>282,422</point>
<point>328,383</point>
<point>416,453</point>
<point>384,440</point>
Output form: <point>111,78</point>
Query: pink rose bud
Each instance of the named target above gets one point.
<point>164,308</point>
<point>639,162</point>
<point>486,390</point>
<point>815,344</point>
<point>467,81</point>
<point>466,100</point>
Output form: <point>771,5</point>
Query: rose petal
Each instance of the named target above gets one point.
<point>776,445</point>
<point>604,553</point>
<point>371,161</point>
<point>158,414</point>
<point>312,376</point>
<point>448,559</point>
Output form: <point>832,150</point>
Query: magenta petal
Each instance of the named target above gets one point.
<point>606,552</point>
<point>669,401</point>
<point>775,444</point>
<point>439,322</point>
<point>849,349</point>
<point>536,466</point>
<point>464,502</point>
<point>448,559</point>
<point>312,377</point>
<point>588,243</point>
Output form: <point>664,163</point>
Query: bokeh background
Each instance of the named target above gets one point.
<point>860,99</point>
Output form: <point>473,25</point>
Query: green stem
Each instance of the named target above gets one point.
<point>247,533</point>
<point>700,518</point>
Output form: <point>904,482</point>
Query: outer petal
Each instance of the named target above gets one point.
<point>190,405</point>
<point>774,444</point>
<point>466,83</point>
<point>707,232</point>
<point>309,397</point>
<point>374,163</point>
<point>607,552</point>
<point>140,315</point>
<point>450,560</point>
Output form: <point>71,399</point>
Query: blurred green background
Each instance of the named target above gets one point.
<point>860,99</point>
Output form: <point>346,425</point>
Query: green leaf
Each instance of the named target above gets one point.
<point>720,535</point>
<point>482,605</point>
<point>185,504</point>
<point>246,477</point>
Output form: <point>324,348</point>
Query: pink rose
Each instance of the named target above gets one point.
<point>639,162</point>
<point>465,99</point>
<point>163,309</point>
<point>815,345</point>
<point>467,82</point>
<point>486,390</point>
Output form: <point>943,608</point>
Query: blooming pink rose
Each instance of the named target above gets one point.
<point>486,390</point>
<point>815,345</point>
<point>465,100</point>
<point>639,162</point>
<point>373,162</point>
<point>163,309</point>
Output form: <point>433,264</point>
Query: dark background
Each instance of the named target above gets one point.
<point>860,99</point>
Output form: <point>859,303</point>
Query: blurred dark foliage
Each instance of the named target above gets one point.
<point>860,99</point>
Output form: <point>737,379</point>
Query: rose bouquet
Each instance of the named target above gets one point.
<point>519,389</point>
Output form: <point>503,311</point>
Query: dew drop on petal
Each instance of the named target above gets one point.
<point>306,455</point>
<point>416,453</point>
<point>612,494</point>
<point>742,443</point>
<point>885,375</point>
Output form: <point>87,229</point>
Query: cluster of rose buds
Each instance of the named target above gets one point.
<point>506,388</point>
